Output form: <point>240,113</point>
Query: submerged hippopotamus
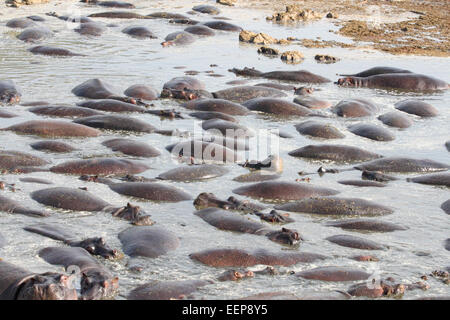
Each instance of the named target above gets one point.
<point>217,105</point>
<point>336,153</point>
<point>200,30</point>
<point>371,131</point>
<point>332,273</point>
<point>403,165</point>
<point>95,246</point>
<point>96,281</point>
<point>335,206</point>
<point>282,191</point>
<point>166,290</point>
<point>6,114</point>
<point>166,15</point>
<point>372,225</point>
<point>209,200</point>
<point>395,81</point>
<point>376,70</point>
<point>150,242</point>
<point>437,179</point>
<point>100,166</point>
<point>111,4</point>
<point>417,107</point>
<point>178,38</point>
<point>396,119</point>
<point>53,128</point>
<point>186,88</point>
<point>207,115</point>
<point>52,146</point>
<point>139,32</point>
<point>64,111</point>
<point>230,221</point>
<point>11,160</point>
<point>9,93</point>
<point>97,89</point>
<point>151,191</point>
<point>301,76</point>
<point>116,122</point>
<point>242,258</point>
<point>194,173</point>
<point>240,94</point>
<point>35,34</point>
<point>319,130</point>
<point>277,107</point>
<point>202,151</point>
<point>141,91</point>
<point>90,29</point>
<point>446,206</point>
<point>53,51</point>
<point>355,108</point>
<point>10,206</point>
<point>349,241</point>
<point>80,200</point>
<point>118,15</point>
<point>132,148</point>
<point>228,129</point>
<point>19,284</point>
<point>20,23</point>
<point>222,25</point>
<point>205,8</point>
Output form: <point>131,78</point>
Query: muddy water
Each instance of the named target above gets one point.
<point>122,61</point>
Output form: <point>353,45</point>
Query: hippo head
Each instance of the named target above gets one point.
<point>274,217</point>
<point>10,97</point>
<point>285,236</point>
<point>167,43</point>
<point>47,286</point>
<point>98,247</point>
<point>208,200</point>
<point>349,82</point>
<point>97,285</point>
<point>133,214</point>
<point>302,91</point>
<point>235,275</point>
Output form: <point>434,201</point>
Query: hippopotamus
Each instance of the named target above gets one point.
<point>207,115</point>
<point>182,88</point>
<point>9,93</point>
<point>243,258</point>
<point>111,4</point>
<point>274,217</point>
<point>132,148</point>
<point>151,191</point>
<point>285,295</point>
<point>278,86</point>
<point>217,105</point>
<point>396,119</point>
<point>110,105</point>
<point>35,180</point>
<point>372,225</point>
<point>70,18</point>
<point>403,165</point>
<point>355,108</point>
<point>376,70</point>
<point>150,242</point>
<point>230,221</point>
<point>240,94</point>
<point>230,142</point>
<point>376,176</point>
<point>7,115</point>
<point>235,275</point>
<point>20,23</point>
<point>277,107</point>
<point>301,76</point>
<point>362,183</point>
<point>202,151</point>
<point>205,8</point>
<point>140,91</point>
<point>226,129</point>
<point>64,111</point>
<point>337,153</point>
<point>52,146</point>
<point>53,128</point>
<point>336,206</point>
<point>200,30</point>
<point>417,107</point>
<point>97,282</point>
<point>35,34</point>
<point>312,102</point>
<point>271,163</point>
<point>166,15</point>
<point>95,246</point>
<point>383,288</point>
<point>194,173</point>
<point>100,166</point>
<point>13,207</point>
<point>437,179</point>
<point>282,191</point>
<point>349,241</point>
<point>117,15</point>
<point>319,130</point>
<point>446,206</point>
<point>334,274</point>
<point>447,244</point>
<point>187,21</point>
<point>178,38</point>
<point>257,176</point>
<point>116,122</point>
<point>90,29</point>
<point>209,200</point>
<point>53,51</point>
<point>396,81</point>
<point>9,160</point>
<point>97,89</point>
<point>222,25</point>
<point>166,290</point>
<point>371,131</point>
<point>139,32</point>
<point>19,284</point>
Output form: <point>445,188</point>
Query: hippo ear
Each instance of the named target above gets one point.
<point>236,274</point>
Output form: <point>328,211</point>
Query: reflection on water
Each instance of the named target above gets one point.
<point>122,61</point>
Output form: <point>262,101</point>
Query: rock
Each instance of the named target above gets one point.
<point>226,2</point>
<point>257,38</point>
<point>293,14</point>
